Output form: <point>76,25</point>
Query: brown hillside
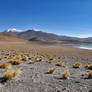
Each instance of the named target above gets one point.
<point>10,37</point>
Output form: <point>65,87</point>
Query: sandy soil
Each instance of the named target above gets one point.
<point>34,77</point>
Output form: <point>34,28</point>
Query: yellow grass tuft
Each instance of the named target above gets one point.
<point>59,57</point>
<point>89,66</point>
<point>77,65</point>
<point>15,61</point>
<point>63,57</point>
<point>60,64</point>
<point>66,75</point>
<point>6,57</point>
<point>84,58</point>
<point>52,70</point>
<point>51,58</point>
<point>1,57</point>
<point>25,58</point>
<point>51,61</point>
<point>18,57</point>
<point>11,74</point>
<point>90,74</point>
<point>17,73</point>
<point>5,65</point>
<point>31,57</point>
<point>10,56</point>
<point>74,57</point>
<point>40,58</point>
<point>32,62</point>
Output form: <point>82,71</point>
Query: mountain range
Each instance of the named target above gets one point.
<point>37,35</point>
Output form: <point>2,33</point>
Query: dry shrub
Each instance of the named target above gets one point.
<point>31,57</point>
<point>32,62</point>
<point>77,65</point>
<point>74,57</point>
<point>90,74</point>
<point>59,57</point>
<point>10,56</point>
<point>89,66</point>
<point>51,58</point>
<point>51,61</point>
<point>40,58</point>
<point>6,57</point>
<point>17,73</point>
<point>15,61</point>
<point>6,65</point>
<point>63,57</point>
<point>11,74</point>
<point>66,75</point>
<point>7,54</point>
<point>18,57</point>
<point>60,64</point>
<point>1,57</point>
<point>84,58</point>
<point>52,70</point>
<point>25,58</point>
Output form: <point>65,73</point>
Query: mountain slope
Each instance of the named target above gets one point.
<point>10,37</point>
<point>46,37</point>
<point>43,35</point>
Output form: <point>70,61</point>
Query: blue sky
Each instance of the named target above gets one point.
<point>63,17</point>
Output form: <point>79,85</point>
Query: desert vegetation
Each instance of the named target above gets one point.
<point>35,64</point>
<point>15,61</point>
<point>89,66</point>
<point>1,57</point>
<point>6,65</point>
<point>60,64</point>
<point>11,74</point>
<point>52,70</point>
<point>66,75</point>
<point>77,65</point>
<point>32,62</point>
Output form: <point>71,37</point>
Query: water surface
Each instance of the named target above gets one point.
<point>89,46</point>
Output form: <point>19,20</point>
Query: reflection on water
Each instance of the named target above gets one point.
<point>85,46</point>
<point>89,46</point>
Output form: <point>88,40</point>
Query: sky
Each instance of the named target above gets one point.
<point>62,17</point>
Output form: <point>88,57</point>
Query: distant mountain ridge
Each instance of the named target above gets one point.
<point>44,36</point>
<point>89,37</point>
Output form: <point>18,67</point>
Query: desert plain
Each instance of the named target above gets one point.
<point>44,68</point>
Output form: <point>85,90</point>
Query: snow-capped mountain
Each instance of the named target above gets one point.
<point>36,33</point>
<point>36,29</point>
<point>13,30</point>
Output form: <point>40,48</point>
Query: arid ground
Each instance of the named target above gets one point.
<point>35,63</point>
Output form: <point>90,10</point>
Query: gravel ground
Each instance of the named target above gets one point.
<point>34,77</point>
